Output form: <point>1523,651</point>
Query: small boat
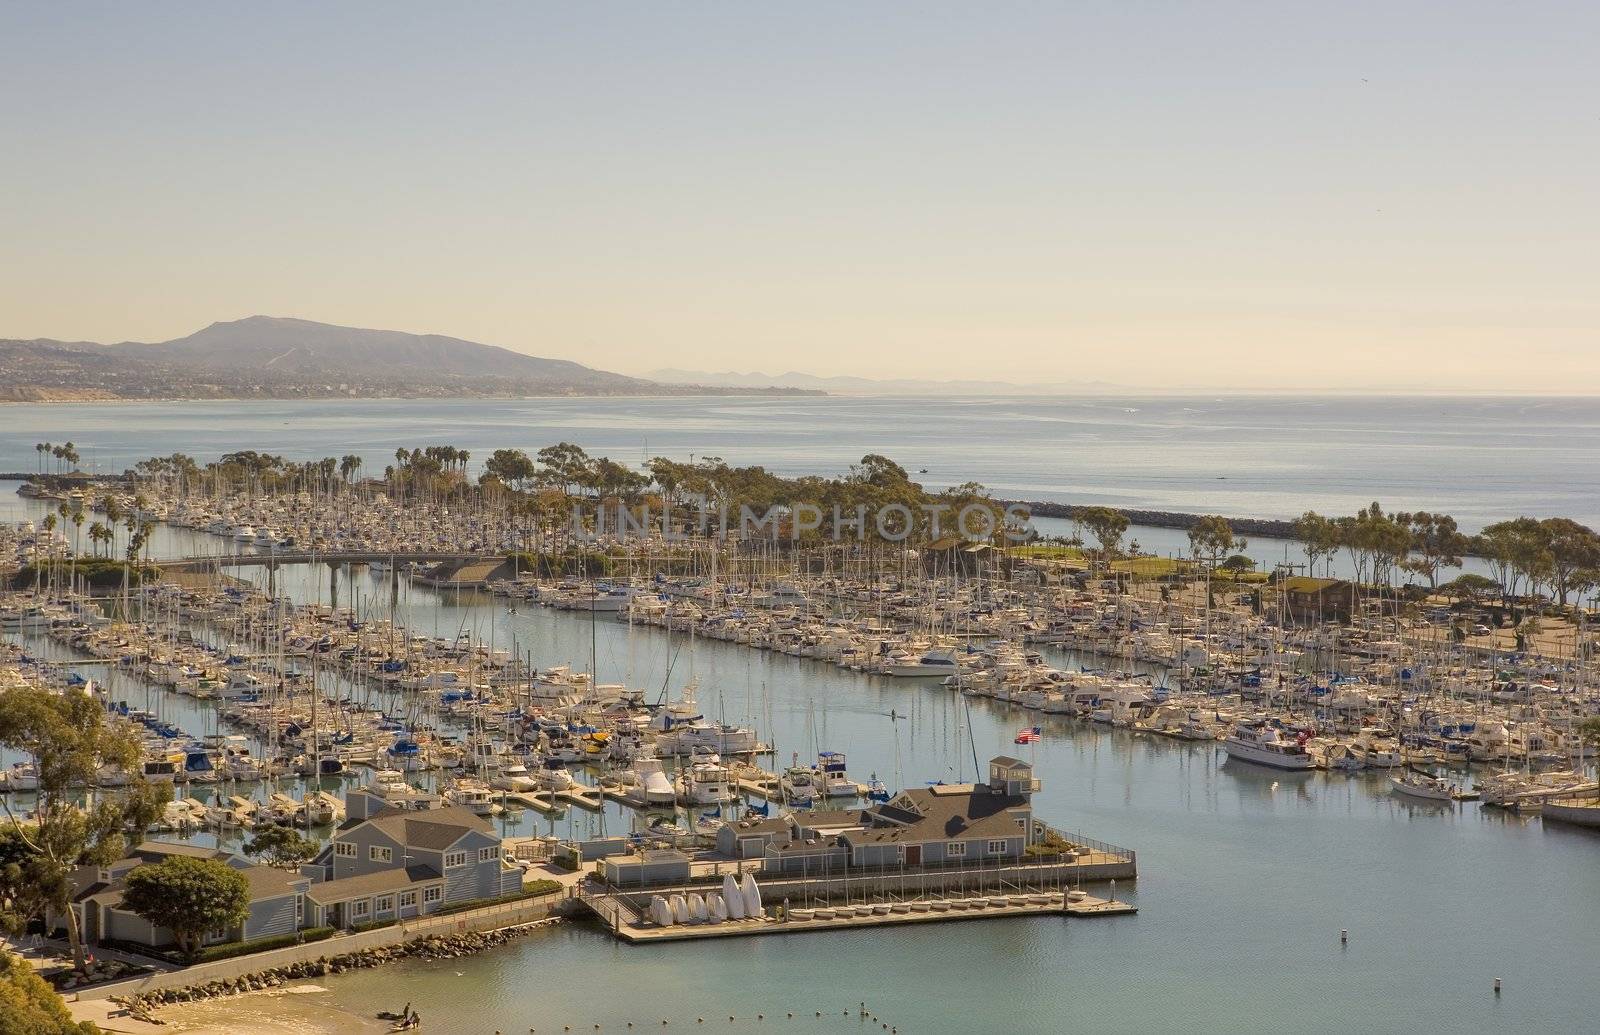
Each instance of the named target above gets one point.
<point>1421,785</point>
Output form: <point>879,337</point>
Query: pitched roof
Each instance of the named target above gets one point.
<point>820,819</point>
<point>271,882</point>
<point>947,813</point>
<point>155,851</point>
<point>433,829</point>
<point>1308,584</point>
<point>775,825</point>
<point>396,879</point>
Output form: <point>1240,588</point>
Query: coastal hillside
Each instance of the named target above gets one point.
<point>279,357</point>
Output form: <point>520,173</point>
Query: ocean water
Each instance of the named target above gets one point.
<point>1481,459</point>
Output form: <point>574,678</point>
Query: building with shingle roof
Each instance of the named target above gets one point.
<point>275,905</point>
<point>941,825</point>
<point>455,852</point>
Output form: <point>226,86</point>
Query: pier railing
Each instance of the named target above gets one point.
<point>1098,847</point>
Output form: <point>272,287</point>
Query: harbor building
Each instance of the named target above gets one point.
<point>403,862</point>
<point>940,825</point>
<point>277,899</point>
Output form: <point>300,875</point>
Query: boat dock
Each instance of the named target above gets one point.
<point>626,923</point>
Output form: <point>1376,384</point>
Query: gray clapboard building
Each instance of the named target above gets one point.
<point>400,863</point>
<point>941,825</point>
<point>277,899</point>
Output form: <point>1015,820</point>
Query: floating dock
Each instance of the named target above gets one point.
<point>625,923</point>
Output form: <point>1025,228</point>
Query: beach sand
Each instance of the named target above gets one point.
<point>298,1009</point>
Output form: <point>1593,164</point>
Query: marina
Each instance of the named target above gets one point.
<point>794,676</point>
<point>892,520</point>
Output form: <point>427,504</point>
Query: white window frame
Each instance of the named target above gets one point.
<point>455,859</point>
<point>384,904</point>
<point>998,846</point>
<point>380,854</point>
<point>487,854</point>
<point>430,895</point>
<point>955,849</point>
<point>408,900</point>
<point>360,908</point>
<point>344,850</point>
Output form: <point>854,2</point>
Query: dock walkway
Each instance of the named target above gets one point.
<point>625,923</point>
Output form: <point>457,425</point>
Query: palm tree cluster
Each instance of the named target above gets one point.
<point>66,456</point>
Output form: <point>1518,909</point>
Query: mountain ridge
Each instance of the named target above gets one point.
<point>291,357</point>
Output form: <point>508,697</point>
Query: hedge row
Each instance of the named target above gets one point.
<point>232,949</point>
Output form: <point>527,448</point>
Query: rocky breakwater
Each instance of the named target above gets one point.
<point>1270,528</point>
<point>436,947</point>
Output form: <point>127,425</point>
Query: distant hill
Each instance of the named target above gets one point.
<point>278,357</point>
<point>844,385</point>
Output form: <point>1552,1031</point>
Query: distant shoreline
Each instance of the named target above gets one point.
<point>753,393</point>
<point>713,392</point>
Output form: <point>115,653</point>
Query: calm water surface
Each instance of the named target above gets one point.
<point>1481,458</point>
<point>1247,875</point>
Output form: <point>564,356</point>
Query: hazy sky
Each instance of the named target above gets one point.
<point>1263,194</point>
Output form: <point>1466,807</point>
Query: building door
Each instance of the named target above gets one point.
<point>913,855</point>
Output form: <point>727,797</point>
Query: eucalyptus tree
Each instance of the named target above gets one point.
<point>1516,549</point>
<point>1571,548</point>
<point>1318,537</point>
<point>1211,539</point>
<point>1108,526</point>
<point>1436,543</point>
<point>70,737</point>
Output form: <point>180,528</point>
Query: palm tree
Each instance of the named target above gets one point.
<point>50,527</point>
<point>97,532</point>
<point>113,511</point>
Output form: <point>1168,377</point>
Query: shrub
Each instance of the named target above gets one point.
<point>232,949</point>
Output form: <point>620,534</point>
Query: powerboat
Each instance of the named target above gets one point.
<point>1261,744</point>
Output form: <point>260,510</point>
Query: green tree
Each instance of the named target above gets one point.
<point>1468,586</point>
<point>1517,550</point>
<point>1211,539</point>
<point>1571,548</point>
<point>1318,537</point>
<point>68,738</point>
<point>281,846</point>
<point>24,882</point>
<point>29,1006</point>
<point>1436,543</point>
<point>512,467</point>
<point>1108,526</point>
<point>189,897</point>
<point>565,465</point>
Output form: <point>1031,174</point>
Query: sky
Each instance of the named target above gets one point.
<point>1287,195</point>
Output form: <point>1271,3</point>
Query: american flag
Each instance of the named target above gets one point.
<point>1028,735</point>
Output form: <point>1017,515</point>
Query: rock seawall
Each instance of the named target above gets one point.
<point>435,947</point>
